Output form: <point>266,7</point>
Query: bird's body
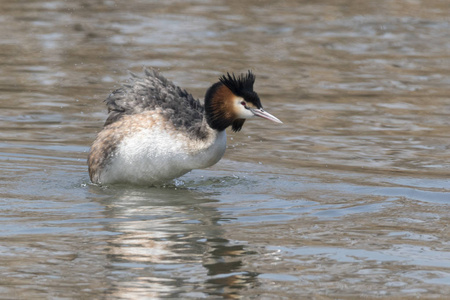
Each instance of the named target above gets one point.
<point>155,131</point>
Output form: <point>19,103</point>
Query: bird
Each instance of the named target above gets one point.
<point>156,131</point>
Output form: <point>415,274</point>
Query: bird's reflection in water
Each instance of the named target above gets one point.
<point>167,242</point>
<point>225,268</point>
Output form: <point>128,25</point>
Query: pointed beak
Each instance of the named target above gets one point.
<point>265,115</point>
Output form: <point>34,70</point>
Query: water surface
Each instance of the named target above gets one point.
<point>349,198</point>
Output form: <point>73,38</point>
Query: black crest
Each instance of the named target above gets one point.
<point>242,86</point>
<point>239,85</point>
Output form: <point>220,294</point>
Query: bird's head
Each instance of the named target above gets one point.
<point>232,100</point>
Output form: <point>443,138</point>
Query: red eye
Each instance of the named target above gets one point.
<point>243,103</point>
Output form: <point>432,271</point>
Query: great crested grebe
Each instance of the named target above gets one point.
<point>156,131</point>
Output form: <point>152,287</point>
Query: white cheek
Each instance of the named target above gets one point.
<point>244,113</point>
<point>241,111</point>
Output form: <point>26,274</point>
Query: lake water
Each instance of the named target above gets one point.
<point>349,198</point>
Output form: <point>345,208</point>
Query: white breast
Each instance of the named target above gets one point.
<point>153,156</point>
